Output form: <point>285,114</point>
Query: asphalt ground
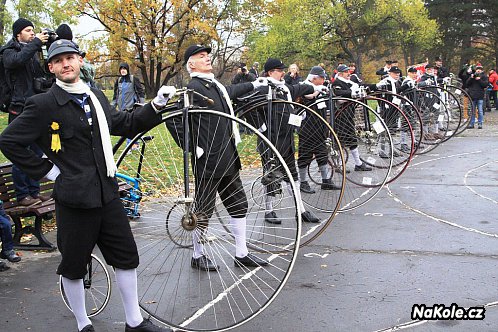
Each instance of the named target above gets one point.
<point>431,237</point>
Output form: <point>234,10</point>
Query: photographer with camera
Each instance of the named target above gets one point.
<point>22,68</point>
<point>243,75</point>
<point>475,85</point>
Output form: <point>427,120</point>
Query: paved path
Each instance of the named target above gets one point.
<point>429,238</point>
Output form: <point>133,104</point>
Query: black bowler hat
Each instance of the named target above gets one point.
<point>412,70</point>
<point>273,63</point>
<point>194,49</point>
<point>438,59</point>
<point>394,69</point>
<point>429,65</point>
<point>389,62</point>
<point>61,46</point>
<point>318,71</point>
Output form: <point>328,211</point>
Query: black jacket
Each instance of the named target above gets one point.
<point>281,131</point>
<point>476,88</point>
<point>83,182</point>
<point>21,67</point>
<point>211,133</point>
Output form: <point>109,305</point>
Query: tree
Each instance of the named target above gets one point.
<point>344,30</point>
<point>153,35</point>
<point>468,30</point>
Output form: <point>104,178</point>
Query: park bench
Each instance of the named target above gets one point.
<point>40,212</point>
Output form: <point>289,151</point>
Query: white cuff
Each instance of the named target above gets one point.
<point>53,173</point>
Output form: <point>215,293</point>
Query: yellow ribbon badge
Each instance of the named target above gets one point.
<point>56,140</point>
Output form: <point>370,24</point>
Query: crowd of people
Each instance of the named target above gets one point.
<point>61,91</point>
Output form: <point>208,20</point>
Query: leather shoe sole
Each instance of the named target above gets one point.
<point>203,263</point>
<point>250,261</point>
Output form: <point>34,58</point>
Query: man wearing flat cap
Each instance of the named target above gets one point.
<point>344,121</point>
<point>281,132</point>
<point>389,112</point>
<point>72,123</point>
<point>313,135</point>
<point>429,81</point>
<point>382,72</point>
<point>215,160</point>
<point>20,59</point>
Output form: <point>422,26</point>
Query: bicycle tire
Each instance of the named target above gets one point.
<point>361,187</point>
<point>325,203</point>
<point>97,285</point>
<point>170,290</point>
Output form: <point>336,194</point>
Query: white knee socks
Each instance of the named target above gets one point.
<point>356,156</point>
<point>127,285</point>
<point>75,294</point>
<point>238,227</point>
<point>298,197</point>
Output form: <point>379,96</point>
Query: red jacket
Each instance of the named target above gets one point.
<point>493,79</point>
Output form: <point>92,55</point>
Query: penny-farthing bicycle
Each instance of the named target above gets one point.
<point>172,217</point>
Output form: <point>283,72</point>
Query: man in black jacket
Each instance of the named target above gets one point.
<point>313,135</point>
<point>21,68</point>
<point>475,84</point>
<point>344,124</point>
<point>215,160</point>
<point>71,123</point>
<point>284,121</point>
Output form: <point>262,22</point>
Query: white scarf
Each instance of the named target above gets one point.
<point>354,86</point>
<point>210,77</point>
<point>81,88</point>
<point>280,84</point>
<point>393,84</point>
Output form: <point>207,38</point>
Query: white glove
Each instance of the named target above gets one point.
<point>165,93</point>
<point>447,80</point>
<point>260,81</point>
<point>469,70</point>
<point>411,84</point>
<point>429,81</point>
<point>320,88</point>
<point>381,84</point>
<point>53,173</point>
<point>355,93</point>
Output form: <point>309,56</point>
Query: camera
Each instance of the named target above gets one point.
<point>52,36</point>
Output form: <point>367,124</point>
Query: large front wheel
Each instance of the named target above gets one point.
<point>177,217</point>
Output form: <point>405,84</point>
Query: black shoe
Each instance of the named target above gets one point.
<point>470,127</point>
<point>307,216</point>
<point>479,127</point>
<point>3,266</point>
<point>88,328</point>
<point>271,218</point>
<point>363,167</point>
<point>404,148</point>
<point>10,255</point>
<point>202,263</point>
<point>382,154</point>
<point>305,188</point>
<point>249,261</point>
<point>328,184</point>
<point>146,326</point>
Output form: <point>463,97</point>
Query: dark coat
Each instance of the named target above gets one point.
<point>244,78</point>
<point>476,88</point>
<point>21,67</point>
<point>281,132</point>
<point>83,182</point>
<point>210,132</point>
